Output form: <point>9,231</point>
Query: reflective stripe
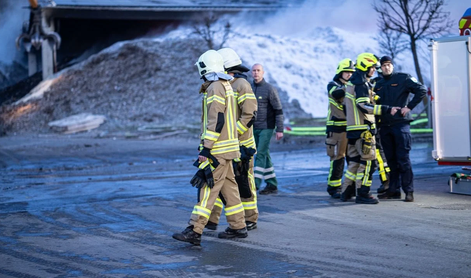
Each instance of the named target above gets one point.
<point>225,150</point>
<point>249,205</point>
<point>264,170</point>
<point>362,100</point>
<point>218,203</point>
<point>335,104</point>
<point>241,128</point>
<point>211,135</point>
<point>234,209</point>
<point>269,176</point>
<point>382,172</point>
<point>245,97</point>
<point>206,192</point>
<point>199,210</point>
<point>216,98</point>
<point>249,143</point>
<point>335,183</point>
<point>225,143</point>
<point>258,176</point>
<point>377,110</point>
<point>367,174</point>
<point>357,127</point>
<point>349,175</point>
<point>337,123</point>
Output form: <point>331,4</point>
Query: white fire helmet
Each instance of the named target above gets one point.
<point>210,61</point>
<point>231,59</point>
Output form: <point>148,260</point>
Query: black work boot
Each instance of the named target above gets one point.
<point>348,193</point>
<point>364,196</point>
<point>251,225</point>
<point>384,187</point>
<point>230,233</point>
<point>409,197</point>
<point>211,226</point>
<point>390,195</point>
<point>188,235</point>
<point>334,191</point>
<point>269,189</point>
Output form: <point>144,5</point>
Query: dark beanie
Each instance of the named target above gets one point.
<point>385,59</point>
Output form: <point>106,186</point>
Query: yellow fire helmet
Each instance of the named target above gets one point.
<point>345,65</point>
<point>367,60</point>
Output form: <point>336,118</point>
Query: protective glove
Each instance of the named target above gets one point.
<point>246,153</point>
<point>242,178</point>
<point>366,142</point>
<point>199,179</point>
<point>208,173</point>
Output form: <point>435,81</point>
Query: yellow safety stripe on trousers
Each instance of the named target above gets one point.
<point>253,188</point>
<point>218,203</point>
<point>234,209</point>
<point>249,143</point>
<point>241,129</point>
<point>337,123</point>
<point>245,97</point>
<point>365,180</point>
<point>249,205</point>
<point>381,171</point>
<point>211,135</point>
<point>377,110</point>
<point>204,201</point>
<point>335,183</point>
<point>216,98</point>
<point>199,210</point>
<point>335,104</point>
<point>349,175</point>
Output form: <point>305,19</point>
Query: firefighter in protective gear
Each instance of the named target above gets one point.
<point>336,139</point>
<point>218,138</point>
<point>246,112</point>
<point>361,149</point>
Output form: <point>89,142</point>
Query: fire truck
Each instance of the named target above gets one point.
<point>451,105</point>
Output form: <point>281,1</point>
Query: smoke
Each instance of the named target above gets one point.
<point>12,16</point>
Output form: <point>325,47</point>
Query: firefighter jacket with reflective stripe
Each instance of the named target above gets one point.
<point>394,90</point>
<point>247,110</point>
<point>270,112</point>
<point>218,128</point>
<point>336,118</point>
<point>359,106</point>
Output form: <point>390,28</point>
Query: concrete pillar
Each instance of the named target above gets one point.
<point>47,51</point>
<point>32,62</point>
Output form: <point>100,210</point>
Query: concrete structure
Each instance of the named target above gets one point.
<point>45,15</point>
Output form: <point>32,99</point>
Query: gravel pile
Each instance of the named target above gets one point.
<point>138,86</point>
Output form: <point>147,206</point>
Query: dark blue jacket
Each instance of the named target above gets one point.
<point>394,90</point>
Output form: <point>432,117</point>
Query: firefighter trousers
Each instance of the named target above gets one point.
<point>224,183</point>
<point>336,145</point>
<point>249,204</point>
<point>361,166</point>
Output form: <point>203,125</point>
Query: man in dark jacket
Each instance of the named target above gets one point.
<point>269,117</point>
<point>394,89</point>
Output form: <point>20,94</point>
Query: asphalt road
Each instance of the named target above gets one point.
<point>79,207</point>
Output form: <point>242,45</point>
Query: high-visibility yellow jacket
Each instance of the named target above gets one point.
<point>246,112</point>
<point>360,109</point>
<point>336,118</point>
<point>218,125</point>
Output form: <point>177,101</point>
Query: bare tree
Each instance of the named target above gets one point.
<point>416,19</point>
<point>393,43</point>
<point>208,32</point>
